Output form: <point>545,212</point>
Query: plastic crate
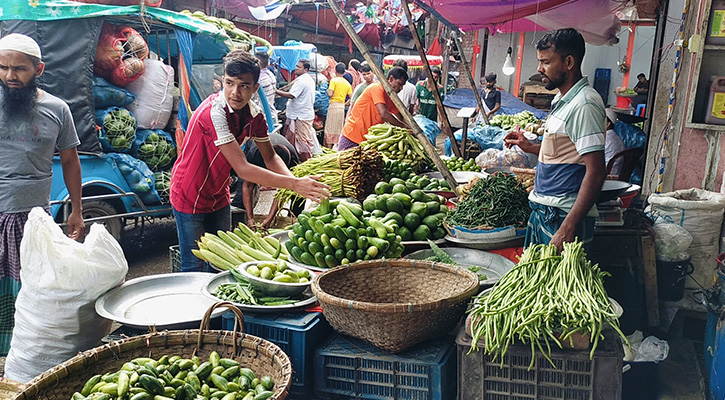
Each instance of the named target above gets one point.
<point>346,367</point>
<point>574,375</point>
<point>297,334</point>
<point>175,258</point>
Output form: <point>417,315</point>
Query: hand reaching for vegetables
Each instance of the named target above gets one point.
<point>310,188</point>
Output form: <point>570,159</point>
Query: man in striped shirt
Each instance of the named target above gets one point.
<point>221,125</point>
<point>571,170</point>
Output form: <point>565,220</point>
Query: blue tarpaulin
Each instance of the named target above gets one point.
<point>463,97</point>
<point>287,56</point>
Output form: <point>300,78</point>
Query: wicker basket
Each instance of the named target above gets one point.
<point>394,304</point>
<point>263,357</point>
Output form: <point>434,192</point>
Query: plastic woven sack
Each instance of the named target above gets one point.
<point>106,94</point>
<point>154,147</point>
<point>429,127</point>
<point>138,176</point>
<point>117,129</point>
<point>154,91</point>
<point>322,100</point>
<point>55,316</point>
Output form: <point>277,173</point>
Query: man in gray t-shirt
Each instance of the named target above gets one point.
<point>33,124</point>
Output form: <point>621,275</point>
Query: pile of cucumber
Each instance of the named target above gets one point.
<point>338,232</point>
<point>421,182</point>
<point>418,216</point>
<point>178,378</point>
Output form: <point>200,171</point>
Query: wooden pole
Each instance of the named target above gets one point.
<point>393,96</point>
<point>439,103</point>
<point>467,67</point>
<point>446,61</point>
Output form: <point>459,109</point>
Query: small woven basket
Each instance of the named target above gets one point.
<point>263,357</point>
<point>394,304</point>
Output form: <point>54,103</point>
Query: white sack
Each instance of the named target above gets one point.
<point>154,91</point>
<point>55,314</point>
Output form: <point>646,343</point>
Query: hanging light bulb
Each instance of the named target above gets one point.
<point>508,65</point>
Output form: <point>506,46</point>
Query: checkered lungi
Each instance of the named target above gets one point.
<point>11,232</point>
<point>546,220</point>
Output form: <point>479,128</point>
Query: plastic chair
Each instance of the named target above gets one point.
<point>640,110</point>
<point>630,158</point>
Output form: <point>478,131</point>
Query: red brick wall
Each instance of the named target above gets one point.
<point>468,40</point>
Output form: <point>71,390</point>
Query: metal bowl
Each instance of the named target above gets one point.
<point>481,245</point>
<point>166,301</point>
<point>274,288</point>
<point>306,297</point>
<point>611,190</point>
<point>493,265</point>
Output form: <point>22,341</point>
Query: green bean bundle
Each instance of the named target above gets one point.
<point>545,298</point>
<point>350,173</point>
<point>495,202</point>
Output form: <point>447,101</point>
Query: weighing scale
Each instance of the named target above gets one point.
<point>610,213</point>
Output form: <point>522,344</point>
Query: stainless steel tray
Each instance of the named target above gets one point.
<point>479,245</point>
<point>493,265</point>
<point>166,301</point>
<point>226,277</point>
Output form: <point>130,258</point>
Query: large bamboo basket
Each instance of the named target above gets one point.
<point>394,304</point>
<point>263,357</point>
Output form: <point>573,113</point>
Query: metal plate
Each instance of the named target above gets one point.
<point>493,265</point>
<point>479,245</point>
<point>459,176</point>
<point>168,301</point>
<point>271,287</point>
<point>413,245</point>
<point>226,277</point>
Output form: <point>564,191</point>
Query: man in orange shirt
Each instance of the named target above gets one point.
<point>373,107</point>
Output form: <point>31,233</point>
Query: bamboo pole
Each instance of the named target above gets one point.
<point>470,77</point>
<point>439,103</point>
<point>442,168</point>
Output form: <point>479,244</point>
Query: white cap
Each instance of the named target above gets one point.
<point>611,115</point>
<point>21,43</point>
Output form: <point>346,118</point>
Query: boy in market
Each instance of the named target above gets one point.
<point>223,123</point>
<point>426,99</point>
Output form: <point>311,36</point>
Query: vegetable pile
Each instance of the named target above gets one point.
<point>495,202</point>
<point>178,378</point>
<point>397,169</point>
<point>163,184</point>
<point>396,143</point>
<point>119,127</point>
<point>157,151</point>
<point>350,173</point>
<point>338,232</point>
<point>508,122</point>
<point>243,292</point>
<point>545,298</point>
<point>278,272</point>
<point>225,250</point>
<point>420,182</point>
<point>455,163</point>
<point>417,215</point>
<point>239,37</point>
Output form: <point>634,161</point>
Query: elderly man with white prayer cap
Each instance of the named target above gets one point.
<point>33,125</point>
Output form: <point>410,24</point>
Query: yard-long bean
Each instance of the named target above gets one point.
<point>545,298</point>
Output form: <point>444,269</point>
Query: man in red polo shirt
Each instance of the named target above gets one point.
<point>212,147</point>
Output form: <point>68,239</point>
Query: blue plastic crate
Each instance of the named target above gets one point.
<point>297,334</point>
<point>346,367</point>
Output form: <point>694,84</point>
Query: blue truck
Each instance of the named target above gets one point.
<point>178,39</point>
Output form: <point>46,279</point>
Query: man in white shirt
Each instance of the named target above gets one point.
<point>407,95</point>
<point>267,81</point>
<point>613,144</point>
<point>301,113</point>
